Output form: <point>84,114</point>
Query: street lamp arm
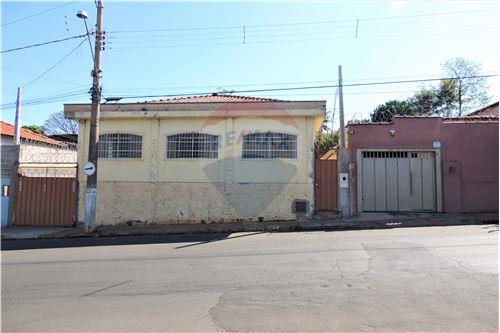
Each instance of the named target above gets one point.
<point>90,43</point>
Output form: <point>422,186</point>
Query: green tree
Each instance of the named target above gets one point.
<point>385,112</point>
<point>35,128</point>
<point>426,101</point>
<point>326,141</point>
<point>446,95</point>
<point>471,92</point>
<point>461,92</point>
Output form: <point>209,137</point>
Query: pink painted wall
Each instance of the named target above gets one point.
<point>469,156</point>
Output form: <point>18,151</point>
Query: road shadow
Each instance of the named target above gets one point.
<point>197,239</point>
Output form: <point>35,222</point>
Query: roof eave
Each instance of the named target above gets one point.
<point>167,110</point>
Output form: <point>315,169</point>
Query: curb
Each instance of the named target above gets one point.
<point>275,226</point>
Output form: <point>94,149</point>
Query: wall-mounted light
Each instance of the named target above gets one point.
<point>392,132</point>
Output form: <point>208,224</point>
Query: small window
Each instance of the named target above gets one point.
<point>192,145</point>
<point>120,145</point>
<point>269,145</point>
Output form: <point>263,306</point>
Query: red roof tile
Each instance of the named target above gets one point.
<point>8,130</point>
<point>214,98</point>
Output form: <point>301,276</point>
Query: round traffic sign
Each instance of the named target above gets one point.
<point>89,168</point>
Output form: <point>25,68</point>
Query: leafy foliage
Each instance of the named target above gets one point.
<point>471,92</point>
<point>452,97</point>
<point>326,141</point>
<point>385,112</point>
<point>35,128</point>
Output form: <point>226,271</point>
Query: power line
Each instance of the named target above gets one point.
<point>39,13</point>
<point>45,99</point>
<point>37,98</point>
<point>439,25</point>
<point>351,93</point>
<point>313,87</point>
<point>168,45</point>
<point>15,70</point>
<point>42,44</point>
<point>61,99</point>
<point>56,98</point>
<point>298,23</point>
<point>216,86</point>
<point>57,63</point>
<point>248,36</point>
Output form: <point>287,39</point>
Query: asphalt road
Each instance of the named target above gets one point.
<point>412,279</point>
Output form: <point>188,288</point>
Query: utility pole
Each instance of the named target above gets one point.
<point>91,192</point>
<point>17,125</point>
<point>343,158</point>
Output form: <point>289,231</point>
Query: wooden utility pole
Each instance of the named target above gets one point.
<point>343,158</point>
<point>17,124</point>
<point>91,193</point>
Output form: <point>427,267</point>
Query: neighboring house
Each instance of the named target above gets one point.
<point>67,138</point>
<point>488,111</point>
<point>35,156</point>
<point>202,159</point>
<point>425,164</point>
<point>27,136</point>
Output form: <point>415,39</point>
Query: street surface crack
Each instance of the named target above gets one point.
<point>105,288</point>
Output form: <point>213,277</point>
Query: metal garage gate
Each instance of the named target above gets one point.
<point>398,181</point>
<point>45,201</point>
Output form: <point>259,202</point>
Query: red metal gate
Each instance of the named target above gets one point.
<point>45,201</point>
<point>325,174</point>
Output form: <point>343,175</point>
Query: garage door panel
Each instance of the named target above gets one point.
<point>415,182</point>
<point>380,185</point>
<point>404,184</point>
<point>392,184</point>
<point>368,184</point>
<point>398,181</point>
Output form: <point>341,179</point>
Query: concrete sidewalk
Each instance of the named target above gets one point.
<point>327,222</point>
<point>27,232</point>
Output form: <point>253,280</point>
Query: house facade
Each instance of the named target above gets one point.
<point>202,159</point>
<point>487,111</point>
<point>425,164</point>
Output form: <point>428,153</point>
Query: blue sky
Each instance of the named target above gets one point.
<point>200,49</point>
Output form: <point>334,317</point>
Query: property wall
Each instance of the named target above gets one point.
<point>6,140</point>
<point>469,156</point>
<point>160,190</point>
<point>9,158</point>
<point>39,153</point>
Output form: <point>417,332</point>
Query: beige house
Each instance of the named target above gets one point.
<point>202,159</point>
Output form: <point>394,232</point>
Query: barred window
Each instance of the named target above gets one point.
<point>269,145</point>
<point>192,145</point>
<point>120,145</point>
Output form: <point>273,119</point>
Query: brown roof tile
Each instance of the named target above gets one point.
<point>8,130</point>
<point>214,98</point>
